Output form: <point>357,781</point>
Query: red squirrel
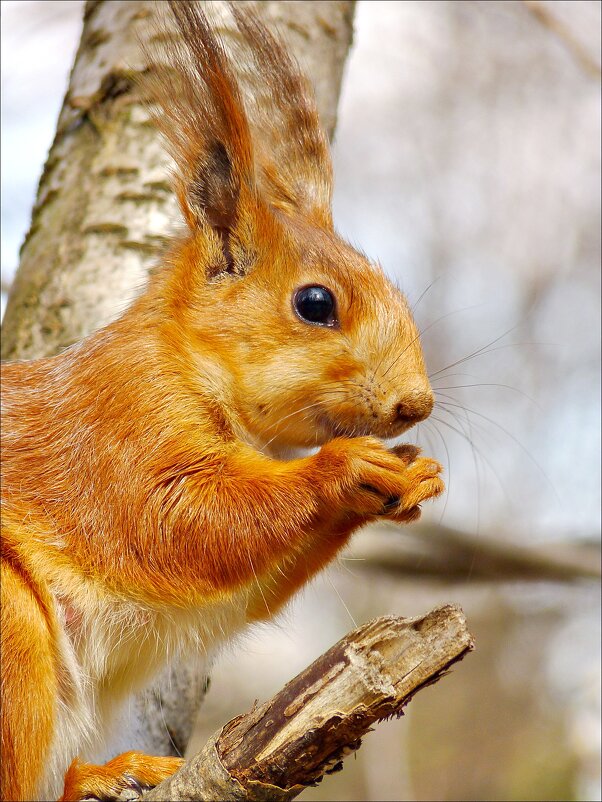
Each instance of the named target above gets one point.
<point>147,505</point>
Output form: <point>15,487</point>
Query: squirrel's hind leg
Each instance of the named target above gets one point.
<point>125,777</point>
<point>29,683</point>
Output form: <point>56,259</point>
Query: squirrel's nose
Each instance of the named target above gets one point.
<point>416,404</point>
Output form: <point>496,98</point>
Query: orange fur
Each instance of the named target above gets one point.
<point>149,500</point>
<point>103,782</point>
<point>29,680</point>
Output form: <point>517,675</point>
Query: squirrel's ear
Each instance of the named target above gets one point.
<point>293,150</point>
<point>201,115</point>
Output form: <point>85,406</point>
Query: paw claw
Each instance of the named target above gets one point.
<point>407,452</point>
<point>392,504</point>
<point>133,790</point>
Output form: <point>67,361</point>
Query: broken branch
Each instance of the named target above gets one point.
<point>279,748</point>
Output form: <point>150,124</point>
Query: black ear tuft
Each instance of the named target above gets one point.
<point>212,193</point>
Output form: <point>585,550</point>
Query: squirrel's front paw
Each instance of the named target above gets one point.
<point>425,482</point>
<point>377,481</point>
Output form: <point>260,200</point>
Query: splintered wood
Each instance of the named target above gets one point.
<point>305,731</point>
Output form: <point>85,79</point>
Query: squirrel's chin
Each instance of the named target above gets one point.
<point>372,428</point>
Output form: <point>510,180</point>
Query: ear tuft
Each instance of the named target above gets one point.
<point>199,111</point>
<point>221,180</point>
<point>294,157</point>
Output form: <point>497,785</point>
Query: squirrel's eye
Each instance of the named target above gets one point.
<point>315,305</point>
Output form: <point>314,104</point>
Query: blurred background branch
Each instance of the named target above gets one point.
<point>547,14</point>
<point>437,551</point>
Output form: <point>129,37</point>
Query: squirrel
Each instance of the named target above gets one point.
<point>151,502</point>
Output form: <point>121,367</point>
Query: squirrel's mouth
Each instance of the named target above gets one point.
<point>336,428</point>
<point>361,428</point>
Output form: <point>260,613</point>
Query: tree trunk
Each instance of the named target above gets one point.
<point>105,209</point>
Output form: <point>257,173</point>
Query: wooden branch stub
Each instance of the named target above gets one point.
<point>305,731</point>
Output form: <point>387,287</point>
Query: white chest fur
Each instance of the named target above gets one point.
<point>110,648</point>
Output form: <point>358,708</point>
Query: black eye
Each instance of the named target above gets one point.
<point>315,305</point>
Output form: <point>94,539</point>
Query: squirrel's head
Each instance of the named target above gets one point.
<point>302,336</point>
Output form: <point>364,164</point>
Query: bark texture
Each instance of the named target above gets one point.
<point>104,207</point>
<point>279,748</point>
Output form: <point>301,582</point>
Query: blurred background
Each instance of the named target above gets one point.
<point>467,161</point>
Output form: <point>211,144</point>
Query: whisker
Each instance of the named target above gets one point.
<point>509,434</point>
<point>423,331</point>
<point>480,427</point>
<point>483,348</point>
<point>332,585</point>
<point>466,375</point>
<point>478,478</point>
<point>424,292</point>
<point>489,384</point>
<point>478,351</point>
<point>479,485</point>
<point>448,482</point>
<point>476,450</point>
